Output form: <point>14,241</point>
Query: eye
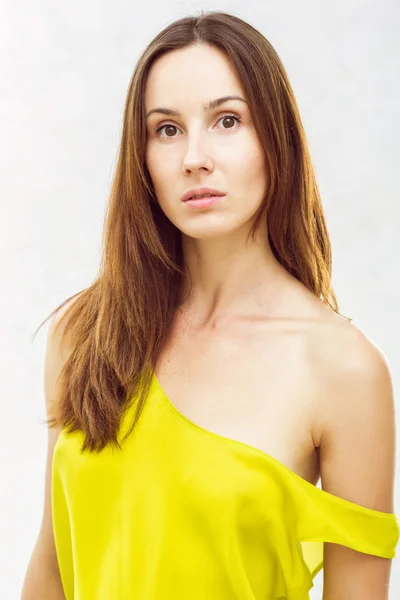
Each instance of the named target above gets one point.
<point>157,130</point>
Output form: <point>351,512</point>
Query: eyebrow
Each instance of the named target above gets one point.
<point>207,107</point>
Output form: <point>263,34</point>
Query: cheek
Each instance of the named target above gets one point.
<point>253,153</point>
<point>245,155</point>
<point>248,168</point>
<point>243,161</point>
<point>160,165</point>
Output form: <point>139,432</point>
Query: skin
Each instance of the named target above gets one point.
<point>334,416</point>
<point>204,149</point>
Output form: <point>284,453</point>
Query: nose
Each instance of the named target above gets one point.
<point>197,158</point>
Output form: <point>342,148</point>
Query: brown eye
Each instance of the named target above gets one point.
<point>169,128</point>
<point>229,119</point>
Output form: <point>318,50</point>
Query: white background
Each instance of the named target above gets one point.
<point>65,68</point>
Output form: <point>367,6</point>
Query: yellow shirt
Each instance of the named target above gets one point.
<point>182,513</point>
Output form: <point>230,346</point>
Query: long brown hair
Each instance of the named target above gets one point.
<point>118,324</point>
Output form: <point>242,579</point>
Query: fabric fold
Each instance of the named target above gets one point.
<point>181,512</point>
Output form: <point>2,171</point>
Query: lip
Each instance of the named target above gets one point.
<point>204,202</point>
<point>203,190</point>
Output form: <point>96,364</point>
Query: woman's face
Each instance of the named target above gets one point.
<point>202,148</point>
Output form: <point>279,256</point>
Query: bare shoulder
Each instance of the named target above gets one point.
<point>344,353</point>
<point>44,556</point>
<point>356,437</point>
<point>57,326</point>
<point>58,347</point>
<point>350,369</point>
<point>355,414</point>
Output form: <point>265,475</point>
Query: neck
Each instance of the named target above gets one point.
<point>227,277</point>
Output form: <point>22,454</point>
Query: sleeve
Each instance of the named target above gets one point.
<point>325,517</point>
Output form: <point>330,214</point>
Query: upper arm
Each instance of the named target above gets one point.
<point>357,456</point>
<point>55,357</point>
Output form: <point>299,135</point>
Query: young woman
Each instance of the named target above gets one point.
<point>205,381</point>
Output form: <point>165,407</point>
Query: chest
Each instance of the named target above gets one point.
<point>248,382</point>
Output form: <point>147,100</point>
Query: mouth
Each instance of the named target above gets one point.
<point>204,202</point>
<point>201,193</point>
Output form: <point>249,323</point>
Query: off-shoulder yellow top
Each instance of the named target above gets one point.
<point>184,513</point>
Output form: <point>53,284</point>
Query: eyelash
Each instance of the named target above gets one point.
<point>158,129</point>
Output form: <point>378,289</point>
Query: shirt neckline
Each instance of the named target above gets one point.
<point>323,494</point>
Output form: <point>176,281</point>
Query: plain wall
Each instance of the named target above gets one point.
<point>65,69</point>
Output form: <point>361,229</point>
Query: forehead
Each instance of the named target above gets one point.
<point>190,76</point>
